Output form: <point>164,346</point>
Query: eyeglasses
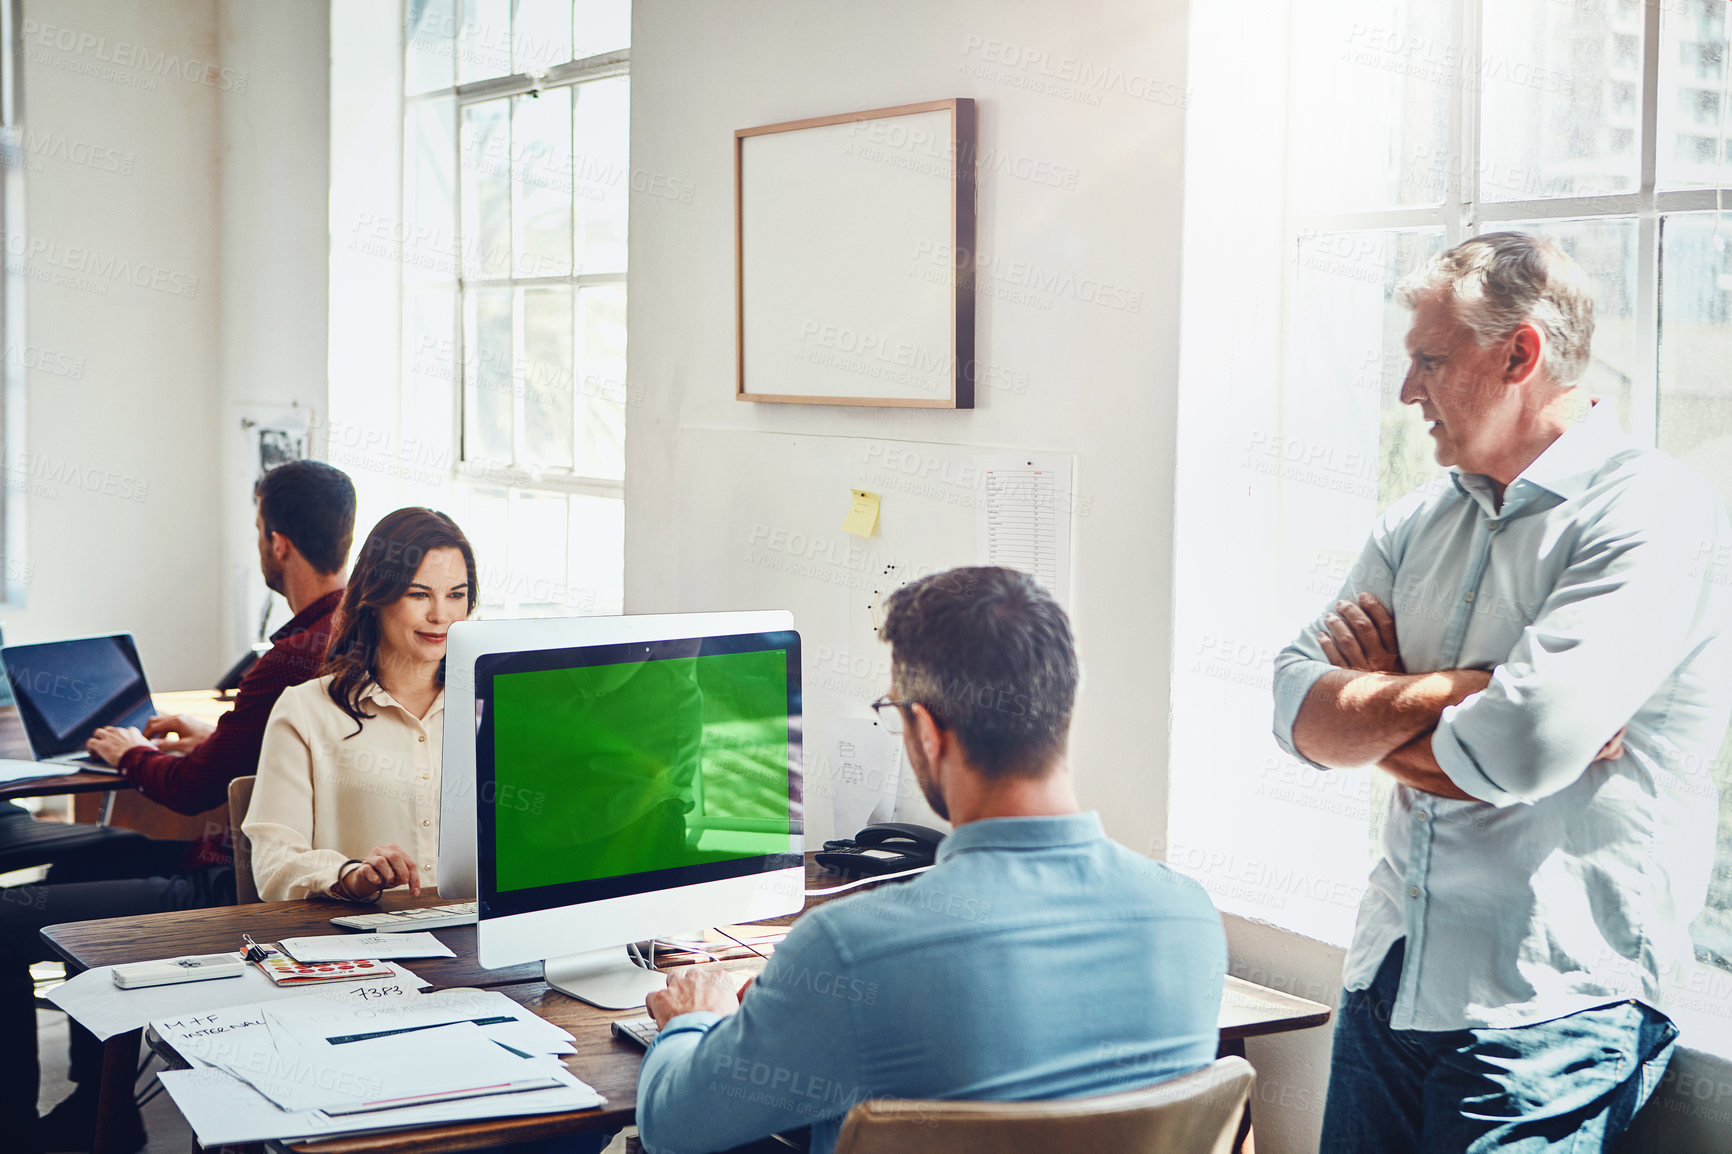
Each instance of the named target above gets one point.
<point>892,721</point>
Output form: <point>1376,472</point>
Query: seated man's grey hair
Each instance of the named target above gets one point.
<point>990,655</point>
<point>1502,280</point>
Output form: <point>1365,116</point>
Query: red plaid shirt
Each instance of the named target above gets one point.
<point>197,781</point>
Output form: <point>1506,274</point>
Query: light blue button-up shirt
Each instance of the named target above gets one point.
<point>1600,595</point>
<point>1037,959</point>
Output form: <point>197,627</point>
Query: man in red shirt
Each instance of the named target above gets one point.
<point>306,524</point>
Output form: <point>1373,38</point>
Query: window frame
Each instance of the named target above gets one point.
<point>564,76</point>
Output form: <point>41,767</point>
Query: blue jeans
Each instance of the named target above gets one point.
<point>1569,1086</point>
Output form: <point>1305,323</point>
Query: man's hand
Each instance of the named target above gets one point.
<point>692,989</point>
<point>1613,749</point>
<point>111,741</point>
<point>384,867</point>
<point>189,732</point>
<point>1362,637</point>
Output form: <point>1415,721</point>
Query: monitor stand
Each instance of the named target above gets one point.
<point>604,978</point>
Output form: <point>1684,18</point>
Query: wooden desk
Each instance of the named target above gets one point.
<point>609,1065</point>
<point>135,812</point>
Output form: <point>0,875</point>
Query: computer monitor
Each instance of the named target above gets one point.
<point>67,690</point>
<point>612,779</point>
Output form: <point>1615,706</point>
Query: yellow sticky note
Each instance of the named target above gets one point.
<point>862,514</point>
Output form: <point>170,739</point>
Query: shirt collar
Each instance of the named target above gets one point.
<point>1022,833</point>
<point>1569,464</point>
<point>304,620</point>
<point>375,693</point>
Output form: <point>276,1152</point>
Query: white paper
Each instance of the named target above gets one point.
<point>296,1074</point>
<point>222,1109</point>
<point>364,947</point>
<point>13,771</point>
<point>325,1022</point>
<point>866,769</point>
<point>1024,520</point>
<point>97,1004</point>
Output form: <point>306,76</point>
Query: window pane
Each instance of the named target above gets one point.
<point>600,26</point>
<point>547,372</point>
<point>487,363</point>
<point>429,236</point>
<point>1372,83</point>
<point>1692,112</point>
<point>1606,250</point>
<point>541,35</point>
<point>601,353</point>
<point>536,585</point>
<point>597,564</point>
<point>541,181</point>
<point>1560,109</point>
<point>429,384</point>
<point>486,165</point>
<point>486,521</point>
<point>1696,345</point>
<point>601,160</point>
<point>430,45</point>
<point>484,40</point>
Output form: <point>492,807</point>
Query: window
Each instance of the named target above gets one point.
<point>1469,118</point>
<point>515,181</point>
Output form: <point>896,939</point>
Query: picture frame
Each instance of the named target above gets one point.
<point>854,241</point>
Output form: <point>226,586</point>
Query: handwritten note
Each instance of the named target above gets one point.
<point>862,515</point>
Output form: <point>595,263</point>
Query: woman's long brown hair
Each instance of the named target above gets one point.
<point>382,574</point>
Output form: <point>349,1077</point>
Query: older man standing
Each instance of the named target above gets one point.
<point>1538,650</point>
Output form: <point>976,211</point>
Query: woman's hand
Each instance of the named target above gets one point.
<point>384,867</point>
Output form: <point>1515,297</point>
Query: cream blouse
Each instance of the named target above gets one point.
<point>324,796</point>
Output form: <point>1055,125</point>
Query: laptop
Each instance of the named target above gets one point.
<point>67,690</point>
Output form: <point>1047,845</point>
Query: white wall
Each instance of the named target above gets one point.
<point>273,188</point>
<point>142,418</point>
<point>716,490</point>
<point>175,236</point>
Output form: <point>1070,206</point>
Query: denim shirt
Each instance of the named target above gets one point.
<point>1037,959</point>
<point>1600,596</point>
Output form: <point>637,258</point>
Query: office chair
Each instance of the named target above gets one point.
<point>1197,1113</point>
<point>241,796</point>
<point>26,842</point>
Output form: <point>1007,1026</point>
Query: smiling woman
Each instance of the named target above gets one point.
<point>352,760</point>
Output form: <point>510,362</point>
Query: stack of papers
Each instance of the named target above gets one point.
<point>96,1003</point>
<point>313,1066</point>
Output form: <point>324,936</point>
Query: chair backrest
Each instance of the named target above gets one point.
<point>241,796</point>
<point>1197,1113</point>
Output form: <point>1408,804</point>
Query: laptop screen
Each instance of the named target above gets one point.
<point>66,690</point>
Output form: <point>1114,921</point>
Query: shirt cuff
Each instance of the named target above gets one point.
<point>1459,766</point>
<point>1293,684</point>
<point>699,1022</point>
<point>133,758</point>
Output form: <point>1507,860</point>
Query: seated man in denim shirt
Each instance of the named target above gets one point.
<point>1037,959</point>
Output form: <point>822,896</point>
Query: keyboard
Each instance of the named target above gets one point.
<point>406,921</point>
<point>639,1030</point>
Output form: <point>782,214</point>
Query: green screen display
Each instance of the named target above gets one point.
<point>610,770</point>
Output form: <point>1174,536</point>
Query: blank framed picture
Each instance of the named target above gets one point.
<point>854,258</point>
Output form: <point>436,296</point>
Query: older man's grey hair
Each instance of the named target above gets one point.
<point>1502,280</point>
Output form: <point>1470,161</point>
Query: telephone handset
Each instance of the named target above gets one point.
<point>886,848</point>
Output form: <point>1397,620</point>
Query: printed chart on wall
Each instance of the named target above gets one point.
<point>1023,520</point>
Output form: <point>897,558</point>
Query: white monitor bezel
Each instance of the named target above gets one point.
<point>503,941</point>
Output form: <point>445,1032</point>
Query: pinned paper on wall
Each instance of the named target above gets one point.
<point>1024,521</point>
<point>866,772</point>
<point>862,514</point>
